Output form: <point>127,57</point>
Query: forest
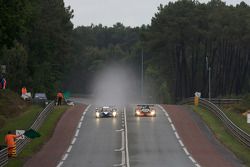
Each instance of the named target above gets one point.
<point>42,50</point>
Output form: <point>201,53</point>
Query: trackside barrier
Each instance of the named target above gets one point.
<point>224,101</point>
<point>3,156</point>
<point>20,144</point>
<point>231,127</point>
<point>36,125</point>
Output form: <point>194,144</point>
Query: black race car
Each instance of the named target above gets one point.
<point>145,110</point>
<point>105,111</point>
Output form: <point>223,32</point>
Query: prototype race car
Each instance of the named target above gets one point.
<point>106,111</point>
<point>145,110</point>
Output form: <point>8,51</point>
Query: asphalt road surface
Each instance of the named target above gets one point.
<point>125,141</point>
<point>152,142</point>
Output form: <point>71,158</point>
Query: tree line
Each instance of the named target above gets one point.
<point>35,43</point>
<point>42,50</point>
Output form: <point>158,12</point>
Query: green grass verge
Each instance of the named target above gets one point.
<point>46,131</point>
<point>238,119</point>
<point>24,121</point>
<point>241,151</point>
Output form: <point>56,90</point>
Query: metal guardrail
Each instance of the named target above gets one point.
<point>233,129</point>
<point>3,156</point>
<point>36,125</point>
<point>224,101</point>
<point>20,144</point>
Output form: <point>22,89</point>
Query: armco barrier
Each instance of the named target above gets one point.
<point>21,143</point>
<point>3,156</point>
<point>233,129</point>
<point>224,101</point>
<point>36,125</point>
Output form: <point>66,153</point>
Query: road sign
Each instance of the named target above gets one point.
<point>20,132</point>
<point>198,94</point>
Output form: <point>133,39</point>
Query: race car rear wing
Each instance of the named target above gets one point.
<point>141,105</point>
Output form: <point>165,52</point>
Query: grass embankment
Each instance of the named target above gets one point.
<point>46,131</point>
<point>11,106</point>
<point>239,119</point>
<point>23,121</point>
<point>241,151</point>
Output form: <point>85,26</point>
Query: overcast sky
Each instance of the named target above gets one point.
<point>108,12</point>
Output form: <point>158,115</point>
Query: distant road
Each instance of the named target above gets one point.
<point>102,142</point>
<point>141,141</point>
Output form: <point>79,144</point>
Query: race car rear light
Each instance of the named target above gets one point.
<point>138,112</point>
<point>97,114</point>
<point>114,113</point>
<point>153,112</point>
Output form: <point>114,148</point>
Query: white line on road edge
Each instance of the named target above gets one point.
<point>65,156</point>
<point>79,125</point>
<point>77,133</point>
<point>169,119</point>
<point>178,137</point>
<point>119,130</point>
<point>82,118</point>
<point>172,125</point>
<point>60,164</point>
<point>126,136</point>
<point>123,160</point>
<point>192,159</point>
<point>182,145</point>
<point>122,147</point>
<point>197,165</point>
<point>185,150</point>
<point>69,149</point>
<point>74,139</point>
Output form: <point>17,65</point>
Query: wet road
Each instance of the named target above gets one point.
<point>152,142</point>
<point>125,141</point>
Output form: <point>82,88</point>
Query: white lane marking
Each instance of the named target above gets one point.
<point>178,137</point>
<point>60,164</point>
<point>74,139</point>
<point>119,130</point>
<point>186,151</point>
<point>182,145</point>
<point>190,157</point>
<point>77,133</point>
<point>82,118</point>
<point>69,149</point>
<point>65,157</point>
<point>172,125</point>
<point>79,125</point>
<point>197,165</point>
<point>123,160</point>
<point>122,147</point>
<point>126,136</point>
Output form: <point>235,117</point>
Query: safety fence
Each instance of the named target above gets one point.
<point>20,144</point>
<point>3,156</point>
<point>224,101</point>
<point>231,127</point>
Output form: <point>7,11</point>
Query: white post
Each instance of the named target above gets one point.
<point>142,79</point>
<point>209,83</point>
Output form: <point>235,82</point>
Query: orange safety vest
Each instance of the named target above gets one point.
<point>4,83</point>
<point>24,90</point>
<point>10,140</point>
<point>59,95</point>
